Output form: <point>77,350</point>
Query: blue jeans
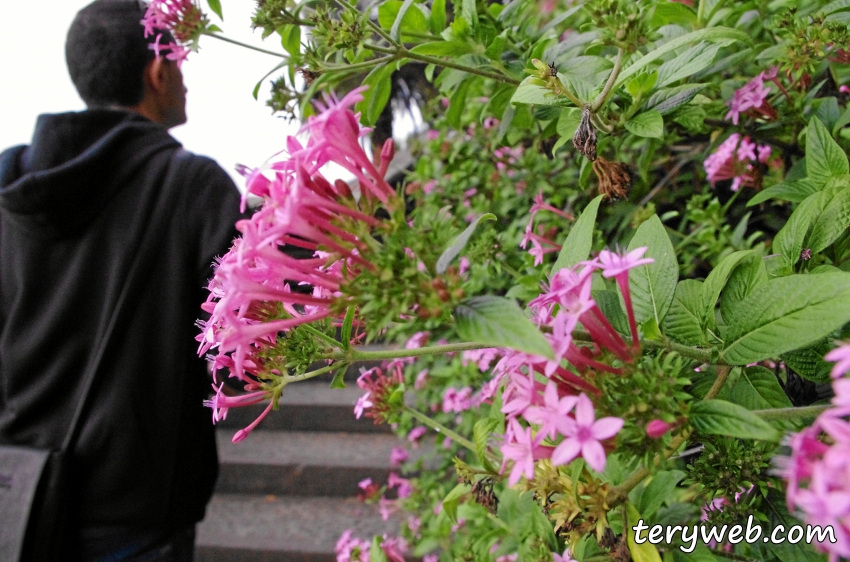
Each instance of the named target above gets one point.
<point>140,546</point>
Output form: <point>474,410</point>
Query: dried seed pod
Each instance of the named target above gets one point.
<point>483,493</point>
<point>615,178</point>
<point>553,71</point>
<point>584,139</point>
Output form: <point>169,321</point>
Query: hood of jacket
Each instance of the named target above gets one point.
<point>76,162</point>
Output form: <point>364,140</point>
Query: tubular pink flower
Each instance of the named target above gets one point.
<point>259,291</point>
<point>183,19</point>
<point>656,428</point>
<point>548,415</point>
<point>618,266</point>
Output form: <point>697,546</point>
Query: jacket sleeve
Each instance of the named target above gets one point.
<point>210,204</point>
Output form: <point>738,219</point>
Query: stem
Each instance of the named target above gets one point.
<point>310,375</point>
<point>400,52</point>
<point>440,428</point>
<point>246,45</point>
<point>353,355</point>
<point>609,85</point>
<point>694,353</point>
<point>359,65</point>
<point>701,13</point>
<point>324,337</point>
<point>620,493</point>
<point>792,413</point>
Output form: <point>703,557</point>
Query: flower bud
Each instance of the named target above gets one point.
<point>656,428</point>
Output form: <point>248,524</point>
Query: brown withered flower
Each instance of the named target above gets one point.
<point>615,178</point>
<point>482,491</point>
<point>584,139</point>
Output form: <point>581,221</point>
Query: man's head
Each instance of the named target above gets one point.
<point>112,65</point>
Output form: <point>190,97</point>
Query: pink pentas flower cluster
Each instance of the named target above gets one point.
<point>183,20</point>
<point>751,99</point>
<point>380,383</point>
<point>353,549</point>
<point>734,159</point>
<point>818,469</point>
<point>541,244</point>
<point>553,400</point>
<point>258,290</point>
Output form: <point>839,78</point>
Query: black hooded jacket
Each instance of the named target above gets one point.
<point>73,207</point>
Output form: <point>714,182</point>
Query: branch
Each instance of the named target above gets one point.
<point>241,44</point>
<point>402,53</point>
<point>609,85</point>
<point>440,428</point>
<point>792,413</point>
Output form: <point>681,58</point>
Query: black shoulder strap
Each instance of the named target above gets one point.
<point>142,261</point>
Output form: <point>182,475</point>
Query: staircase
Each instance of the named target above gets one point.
<point>287,492</point>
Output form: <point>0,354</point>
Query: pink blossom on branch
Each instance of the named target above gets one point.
<point>183,20</point>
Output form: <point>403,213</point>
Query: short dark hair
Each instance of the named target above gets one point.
<point>107,52</point>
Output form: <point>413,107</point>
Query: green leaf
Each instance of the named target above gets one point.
<point>794,191</point>
<point>707,34</point>
<point>789,240</point>
<point>824,158</point>
<point>531,92</point>
<point>652,286</point>
<point>215,6</point>
<point>412,18</point>
<point>451,500</point>
<point>339,377</point>
<point>378,94</point>
<point>642,83</point>
<point>399,17</point>
<point>443,48</point>
<point>672,12</point>
<point>457,104</point>
<point>646,124</point>
<point>744,279</point>
<point>758,389</point>
<point>645,551</point>
<point>666,100</point>
<point>469,9</point>
<point>696,59</point>
<point>609,303</point>
<point>577,246</point>
<point>717,279</point>
<point>347,323</point>
<point>831,222</point>
<point>718,417</point>
<point>438,16</point>
<point>481,435</point>
<point>460,242</point>
<point>808,362</point>
<point>684,321</point>
<point>290,39</point>
<point>786,313</point>
<point>659,489</point>
<point>568,122</point>
<point>499,322</point>
<point>376,553</point>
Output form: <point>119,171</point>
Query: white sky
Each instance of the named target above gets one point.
<point>225,122</point>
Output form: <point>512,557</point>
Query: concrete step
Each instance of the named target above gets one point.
<point>302,463</point>
<point>309,406</point>
<point>244,528</point>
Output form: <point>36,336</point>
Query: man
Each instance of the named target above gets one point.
<point>76,207</point>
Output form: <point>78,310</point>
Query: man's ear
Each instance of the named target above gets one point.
<point>156,75</point>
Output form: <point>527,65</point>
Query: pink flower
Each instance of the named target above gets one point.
<point>182,19</point>
<point>733,162</point>
<point>552,414</point>
<point>351,549</point>
<point>403,485</point>
<point>398,456</point>
<point>841,355</point>
<point>752,98</point>
<point>416,434</point>
<point>583,436</point>
<point>430,558</point>
<point>565,557</point>
<point>457,400</point>
<point>522,449</point>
